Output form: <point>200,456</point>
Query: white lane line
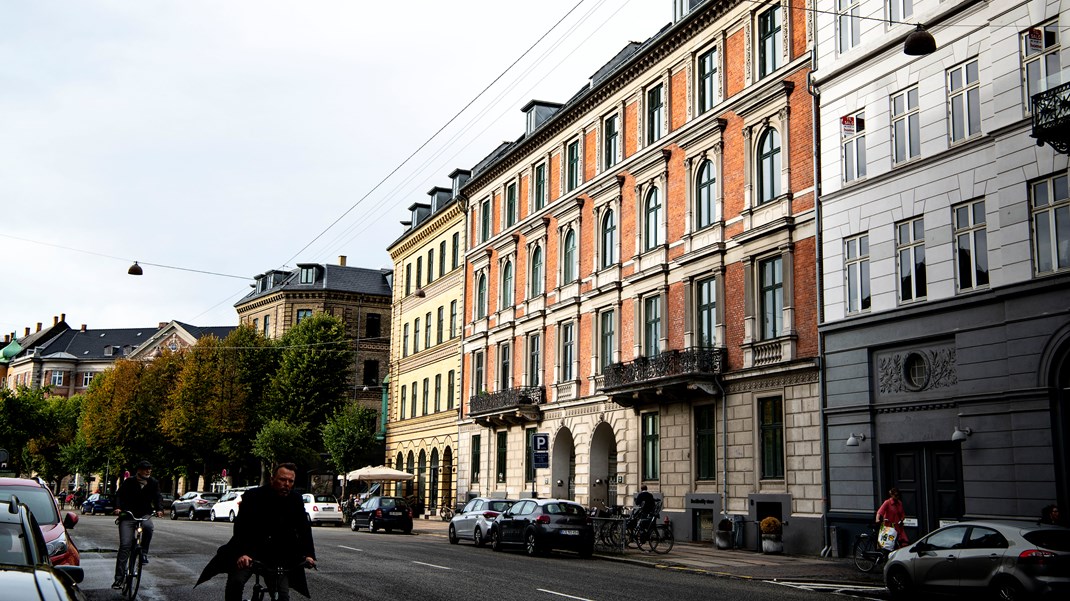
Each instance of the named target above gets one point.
<point>350,548</point>
<point>431,565</point>
<point>549,592</point>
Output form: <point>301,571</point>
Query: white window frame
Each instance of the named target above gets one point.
<point>1050,251</point>
<point>775,159</point>
<point>651,220</point>
<point>534,360</point>
<point>1046,61</point>
<point>963,101</point>
<point>608,244</point>
<point>611,144</point>
<point>706,196</point>
<point>970,225</point>
<point>536,272</point>
<point>573,180</point>
<point>655,113</point>
<point>707,86</point>
<point>539,186</point>
<point>910,244</point>
<point>853,149</point>
<point>508,284</point>
<point>569,257</point>
<point>848,25</point>
<point>906,123</point>
<point>858,296</point>
<point>775,38</point>
<point>568,351</point>
<point>900,10</point>
<point>653,325</point>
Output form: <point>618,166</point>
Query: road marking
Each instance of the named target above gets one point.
<point>350,548</point>
<point>542,590</point>
<point>850,589</point>
<point>431,565</point>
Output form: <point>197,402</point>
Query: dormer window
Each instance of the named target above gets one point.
<point>260,284</point>
<point>108,351</point>
<point>308,275</point>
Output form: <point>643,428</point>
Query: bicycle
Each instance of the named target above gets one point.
<point>445,512</point>
<point>262,570</point>
<point>867,553</point>
<point>136,560</point>
<point>661,539</point>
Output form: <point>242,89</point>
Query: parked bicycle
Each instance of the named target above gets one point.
<point>867,552</point>
<point>445,512</point>
<point>265,576</point>
<point>137,558</point>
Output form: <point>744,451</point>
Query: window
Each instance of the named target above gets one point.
<point>484,221</point>
<point>481,296</point>
<point>651,446</point>
<point>853,134</point>
<point>906,132</point>
<point>267,324</point>
<point>505,366</point>
<point>651,325</point>
<point>431,265</point>
<point>373,325</point>
<point>510,204</point>
<point>655,113</point>
<point>449,390</point>
<point>371,372</point>
<point>607,326</point>
<point>652,220</point>
<point>476,448</point>
<point>971,242</point>
<point>1040,58</point>
<point>540,186</point>
<point>910,248</point>
<point>772,433</point>
<point>534,360</point>
<point>408,279</point>
<point>427,330</point>
<point>771,283</point>
<point>1051,224</point>
<point>707,81</point>
<point>529,467</point>
<point>308,275</point>
<point>441,258</point>
<point>419,272</point>
<point>569,267</point>
<point>856,273</point>
<point>568,350</point>
<point>573,167</point>
<point>57,378</point>
<point>303,314</point>
<point>609,239</point>
<point>768,166</point>
<point>87,379</point>
<point>705,443</point>
<point>501,466</point>
<point>439,323</point>
<point>453,319</point>
<point>536,272</point>
<point>507,285</point>
<point>405,341</point>
<point>770,41</point>
<point>401,413</point>
<point>848,23</point>
<point>416,335</point>
<point>964,101</point>
<point>707,312</point>
<point>438,393</point>
<point>900,9</point>
<point>412,407</point>
<point>478,371</point>
<point>610,141</point>
<point>706,210</point>
<point>426,394</point>
<point>456,251</point>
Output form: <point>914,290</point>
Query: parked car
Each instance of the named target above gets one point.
<point>45,509</point>
<point>389,513</point>
<point>226,508</point>
<point>1013,559</point>
<point>196,505</point>
<point>26,572</point>
<point>322,509</point>
<point>473,521</point>
<point>541,525</point>
<point>98,503</point>
<point>166,500</point>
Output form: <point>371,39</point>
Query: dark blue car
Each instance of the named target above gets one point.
<point>98,503</point>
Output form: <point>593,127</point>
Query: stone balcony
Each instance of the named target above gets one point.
<point>512,406</point>
<point>1051,117</point>
<point>670,376</point>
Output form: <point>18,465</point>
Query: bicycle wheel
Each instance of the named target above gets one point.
<point>611,536</point>
<point>667,539</point>
<point>133,574</point>
<point>653,539</point>
<point>865,554</point>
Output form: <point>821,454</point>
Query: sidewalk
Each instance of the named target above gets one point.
<point>708,559</point>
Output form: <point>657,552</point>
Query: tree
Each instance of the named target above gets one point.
<point>349,437</point>
<point>280,440</point>
<point>58,427</point>
<point>21,418</point>
<point>251,361</point>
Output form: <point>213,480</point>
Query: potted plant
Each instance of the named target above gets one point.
<point>772,529</point>
<point>723,536</point>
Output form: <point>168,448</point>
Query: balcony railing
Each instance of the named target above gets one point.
<point>1051,117</point>
<point>504,400</point>
<point>692,361</point>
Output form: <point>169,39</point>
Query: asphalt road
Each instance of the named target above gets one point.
<point>398,567</point>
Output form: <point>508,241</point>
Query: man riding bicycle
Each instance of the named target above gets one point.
<point>140,495</point>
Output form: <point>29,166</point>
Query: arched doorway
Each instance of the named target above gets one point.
<point>410,466</point>
<point>433,490</point>
<point>400,464</point>
<point>563,466</point>
<point>421,483</point>
<point>447,477</point>
<point>602,477</point>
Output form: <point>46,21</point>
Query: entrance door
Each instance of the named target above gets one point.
<point>929,479</point>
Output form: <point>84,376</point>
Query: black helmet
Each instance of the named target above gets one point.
<point>143,465</point>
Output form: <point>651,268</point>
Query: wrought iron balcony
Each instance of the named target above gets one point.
<point>508,407</point>
<point>671,373</point>
<point>1051,117</point>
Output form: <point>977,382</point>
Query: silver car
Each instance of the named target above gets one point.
<point>1014,560</point>
<point>473,521</point>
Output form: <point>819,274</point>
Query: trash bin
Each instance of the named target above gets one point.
<point>737,530</point>
<point>723,535</point>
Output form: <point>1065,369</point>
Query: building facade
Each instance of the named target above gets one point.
<point>641,283</point>
<point>945,262</point>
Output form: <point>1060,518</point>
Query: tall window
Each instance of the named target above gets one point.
<point>536,272</point>
<point>477,447</point>
<point>572,179</point>
<point>507,285</point>
<point>652,220</point>
<point>427,330</point>
<point>438,393</point>
<point>771,293</point>
<point>441,258</point>
<point>651,325</point>
<point>655,113</point>
<point>771,413</point>
<point>453,319</point>
<point>371,372</point>
<point>609,239</point>
<point>610,141</point>
<point>568,350</point>
<point>1040,58</point>
<point>964,101</point>
<point>267,325</point>
<point>401,413</point>
<point>408,279</point>
<point>484,221</point>
<point>535,360</point>
<point>707,81</point>
<point>770,41</point>
<point>705,443</point>
<point>478,372</point>
<point>426,393</point>
<point>705,185</point>
<point>405,341</point>
<point>419,272</point>
<point>57,378</point>
<point>456,251</point>
<point>540,186</point>
<point>651,446</point>
<point>607,326</point>
<point>505,366</point>
<point>308,275</point>
<point>439,325</point>
<point>303,314</point>
<point>848,23</point>
<point>510,204</point>
<point>431,265</point>
<point>373,327</point>
<point>412,407</point>
<point>971,245</point>
<point>87,378</point>
<point>449,390</point>
<point>569,268</point>
<point>910,248</point>
<point>501,466</point>
<point>906,129</point>
<point>1051,224</point>
<point>856,273</point>
<point>853,134</point>
<point>707,312</point>
<point>900,9</point>
<point>481,296</point>
<point>416,335</point>
<point>768,166</point>
<point>529,466</point>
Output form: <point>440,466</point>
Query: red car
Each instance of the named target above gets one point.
<point>45,508</point>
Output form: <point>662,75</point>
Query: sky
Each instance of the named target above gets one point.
<point>214,140</point>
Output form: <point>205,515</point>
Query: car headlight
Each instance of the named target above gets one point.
<point>57,547</point>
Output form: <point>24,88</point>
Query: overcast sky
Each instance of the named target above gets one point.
<point>224,136</point>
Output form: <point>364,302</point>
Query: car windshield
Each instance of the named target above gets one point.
<point>499,506</point>
<point>38,499</point>
<point>564,509</point>
<point>13,545</point>
<point>1055,539</point>
<point>210,496</point>
<point>387,503</point>
<point>324,499</point>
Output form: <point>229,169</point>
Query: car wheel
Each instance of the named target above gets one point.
<point>495,540</point>
<point>899,585</point>
<point>92,511</point>
<point>1008,589</point>
<point>531,544</point>
<point>372,526</point>
<point>353,525</point>
<point>587,551</point>
<point>212,515</point>
<point>453,535</point>
<point>174,515</point>
<point>406,531</point>
<point>192,514</point>
<point>231,516</point>
<point>477,537</point>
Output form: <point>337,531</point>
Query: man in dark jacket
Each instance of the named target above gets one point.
<point>140,495</point>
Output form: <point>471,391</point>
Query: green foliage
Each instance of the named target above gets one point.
<point>349,437</point>
<point>59,418</point>
<point>22,417</point>
<point>280,440</point>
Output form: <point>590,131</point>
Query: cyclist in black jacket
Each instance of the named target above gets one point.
<point>140,495</point>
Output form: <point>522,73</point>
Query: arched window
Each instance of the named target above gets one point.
<point>609,239</point>
<point>481,296</point>
<point>652,212</point>
<point>507,285</point>
<point>704,197</point>
<point>768,166</point>
<point>570,256</point>
<point>536,271</point>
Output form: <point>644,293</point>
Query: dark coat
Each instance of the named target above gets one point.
<point>137,499</point>
<point>270,529</point>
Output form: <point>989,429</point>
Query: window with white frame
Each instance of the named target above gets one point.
<point>481,298</point>
<point>848,24</point>
<point>540,186</point>
<point>856,272</point>
<point>910,250</point>
<point>853,134</point>
<point>568,253</point>
<point>453,319</point>
<point>964,101</point>
<point>57,378</point>
<point>303,314</point>
<point>479,372</point>
<point>416,336</point>
<point>507,284</point>
<point>655,113</point>
<point>505,366</point>
<point>456,251</point>
<point>426,394</point>
<point>510,204</point>
<point>651,446</point>
<point>431,265</point>
<point>1040,58</point>
<point>438,393</point>
<point>87,378</point>
<point>771,296</point>
<point>568,350</point>
<point>768,166</point>
<point>308,275</point>
<point>440,324</point>
<point>427,330</point>
<point>707,80</point>
<point>900,9</point>
<point>652,326</point>
<point>609,239</point>
<point>1051,224</point>
<point>706,312</point>
<point>771,419</point>
<point>405,341</point>
<point>572,165</point>
<point>607,330</point>
<point>441,258</point>
<point>404,401</point>
<point>419,272</point>
<point>906,127</point>
<point>412,407</point>
<point>610,141</point>
<point>536,273</point>
<point>971,244</point>
<point>770,41</point>
<point>705,195</point>
<point>535,360</point>
<point>484,221</point>
<point>652,220</point>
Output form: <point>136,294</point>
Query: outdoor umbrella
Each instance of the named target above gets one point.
<point>380,473</point>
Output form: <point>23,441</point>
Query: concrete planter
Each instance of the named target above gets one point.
<point>772,544</point>
<point>723,538</point>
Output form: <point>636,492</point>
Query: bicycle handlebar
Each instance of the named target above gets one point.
<point>300,564</point>
<point>144,518</point>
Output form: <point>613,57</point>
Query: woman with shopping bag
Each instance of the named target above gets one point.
<point>890,518</point>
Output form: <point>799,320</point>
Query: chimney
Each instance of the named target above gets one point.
<point>342,260</point>
<point>7,339</point>
<point>27,332</point>
<point>38,326</point>
<point>162,324</point>
<point>83,327</point>
<point>63,317</point>
<point>55,320</point>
